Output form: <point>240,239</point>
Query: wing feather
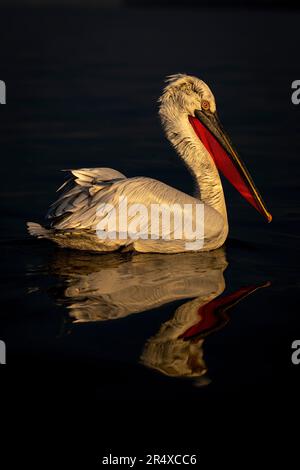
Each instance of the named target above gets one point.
<point>77,206</point>
<point>70,210</point>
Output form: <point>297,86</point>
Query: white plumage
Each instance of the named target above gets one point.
<point>73,219</point>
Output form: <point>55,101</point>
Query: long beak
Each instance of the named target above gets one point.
<point>210,131</point>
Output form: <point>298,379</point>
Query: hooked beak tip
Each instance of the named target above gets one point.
<point>209,130</point>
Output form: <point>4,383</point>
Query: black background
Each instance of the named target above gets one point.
<point>81,87</point>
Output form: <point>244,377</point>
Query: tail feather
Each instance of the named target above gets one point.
<point>36,230</point>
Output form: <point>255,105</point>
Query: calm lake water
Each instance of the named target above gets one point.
<point>82,87</point>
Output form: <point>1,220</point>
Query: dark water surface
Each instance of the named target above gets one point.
<point>82,87</point>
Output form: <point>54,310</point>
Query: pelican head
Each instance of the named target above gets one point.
<point>188,113</point>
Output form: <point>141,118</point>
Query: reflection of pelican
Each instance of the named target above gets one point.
<point>188,114</point>
<point>176,349</point>
<point>117,285</point>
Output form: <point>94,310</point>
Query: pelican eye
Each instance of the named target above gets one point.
<point>205,105</point>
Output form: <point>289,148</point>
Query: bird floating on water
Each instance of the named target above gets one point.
<point>187,109</point>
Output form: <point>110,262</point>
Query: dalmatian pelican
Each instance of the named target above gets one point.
<point>187,110</point>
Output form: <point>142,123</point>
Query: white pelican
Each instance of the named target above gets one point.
<point>189,118</point>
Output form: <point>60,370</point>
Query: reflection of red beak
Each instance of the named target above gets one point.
<point>209,130</point>
<point>213,314</point>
